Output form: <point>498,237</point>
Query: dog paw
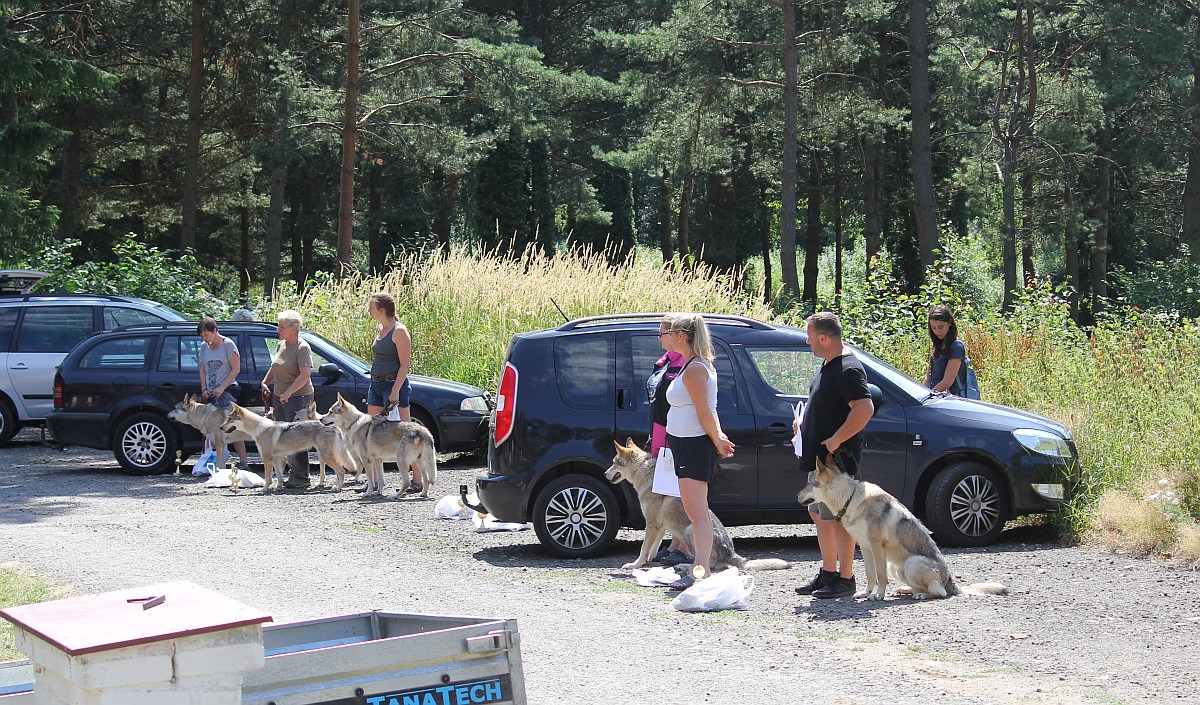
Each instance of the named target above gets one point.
<point>874,597</point>
<point>862,594</point>
<point>632,565</point>
<point>919,596</point>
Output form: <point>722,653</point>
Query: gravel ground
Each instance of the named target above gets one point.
<point>1081,626</point>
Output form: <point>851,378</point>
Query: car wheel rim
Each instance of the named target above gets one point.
<point>975,505</point>
<point>144,444</point>
<point>576,518</point>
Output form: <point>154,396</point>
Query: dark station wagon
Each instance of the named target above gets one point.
<point>965,467</point>
<point>115,388</point>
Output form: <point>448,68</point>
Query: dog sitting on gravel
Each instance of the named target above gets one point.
<point>889,535</point>
<point>635,466</point>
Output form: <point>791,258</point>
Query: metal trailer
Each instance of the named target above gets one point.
<point>372,658</point>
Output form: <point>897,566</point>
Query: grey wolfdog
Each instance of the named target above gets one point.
<point>209,420</point>
<point>889,536</point>
<point>663,513</point>
<point>278,439</point>
<point>374,440</point>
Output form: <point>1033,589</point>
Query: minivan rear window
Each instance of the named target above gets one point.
<point>118,354</point>
<point>584,368</point>
<point>53,329</point>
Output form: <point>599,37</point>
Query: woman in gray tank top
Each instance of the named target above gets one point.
<point>392,350</point>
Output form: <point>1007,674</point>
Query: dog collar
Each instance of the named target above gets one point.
<point>848,501</point>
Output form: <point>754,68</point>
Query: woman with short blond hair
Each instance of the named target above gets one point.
<point>291,373</point>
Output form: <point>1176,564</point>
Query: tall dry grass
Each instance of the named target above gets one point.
<point>1129,389</point>
<point>462,309</point>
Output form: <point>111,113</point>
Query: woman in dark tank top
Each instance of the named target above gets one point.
<point>392,352</point>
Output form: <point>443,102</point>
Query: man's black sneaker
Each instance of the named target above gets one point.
<point>821,580</point>
<point>837,587</point>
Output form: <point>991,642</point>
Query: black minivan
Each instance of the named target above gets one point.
<point>567,393</point>
<point>114,391</point>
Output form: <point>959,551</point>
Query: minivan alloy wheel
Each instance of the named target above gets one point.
<point>576,516</point>
<point>966,505</point>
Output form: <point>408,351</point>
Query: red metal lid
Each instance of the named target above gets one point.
<point>114,620</point>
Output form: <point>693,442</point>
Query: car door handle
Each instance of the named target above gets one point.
<point>19,366</point>
<point>165,387</point>
<point>778,429</point>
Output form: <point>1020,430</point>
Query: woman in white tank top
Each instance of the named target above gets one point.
<point>693,429</point>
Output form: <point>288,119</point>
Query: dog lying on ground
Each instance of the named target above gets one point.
<point>277,439</point>
<point>374,440</point>
<point>635,466</point>
<point>889,535</point>
<point>209,420</point>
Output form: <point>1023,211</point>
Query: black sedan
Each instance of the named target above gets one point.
<point>115,388</point>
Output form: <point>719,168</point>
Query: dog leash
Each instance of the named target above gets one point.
<point>848,501</point>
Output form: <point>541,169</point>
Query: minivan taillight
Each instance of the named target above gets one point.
<point>58,392</point>
<point>506,405</point>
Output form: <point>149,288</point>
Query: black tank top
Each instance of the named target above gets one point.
<point>386,362</point>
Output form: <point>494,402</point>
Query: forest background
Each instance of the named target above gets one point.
<point>1034,164</point>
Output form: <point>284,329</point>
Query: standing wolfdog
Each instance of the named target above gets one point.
<point>209,420</point>
<point>278,439</point>
<point>889,536</point>
<point>663,513</point>
<point>374,439</point>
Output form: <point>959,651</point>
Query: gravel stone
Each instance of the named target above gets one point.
<point>1081,625</point>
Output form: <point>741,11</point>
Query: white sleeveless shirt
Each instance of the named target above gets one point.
<point>682,420</point>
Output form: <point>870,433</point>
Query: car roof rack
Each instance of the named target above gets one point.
<point>725,318</point>
<point>70,295</point>
<point>191,325</point>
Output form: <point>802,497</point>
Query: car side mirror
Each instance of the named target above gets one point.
<point>876,395</point>
<point>330,371</point>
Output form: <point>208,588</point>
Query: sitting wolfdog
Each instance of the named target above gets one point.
<point>889,536</point>
<point>663,513</point>
<point>278,439</point>
<point>374,440</point>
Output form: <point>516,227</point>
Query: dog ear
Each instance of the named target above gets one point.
<point>191,398</point>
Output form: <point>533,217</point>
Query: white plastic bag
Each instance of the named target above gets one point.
<point>394,414</point>
<point>207,462</point>
<point>797,441</point>
<point>486,522</point>
<point>224,478</point>
<point>658,576</point>
<point>452,507</point>
<point>666,482</point>
<point>726,590</point>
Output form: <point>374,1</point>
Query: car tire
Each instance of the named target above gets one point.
<point>966,505</point>
<point>145,444</point>
<point>576,516</point>
<point>423,418</point>
<point>8,422</point>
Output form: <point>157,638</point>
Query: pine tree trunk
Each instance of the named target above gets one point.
<point>1028,275</point>
<point>872,203</point>
<point>345,241</point>
<point>445,189</point>
<point>1071,243</point>
<point>837,222</point>
<point>190,194</point>
<point>685,210</point>
<point>666,194</point>
<point>1100,242</point>
<point>924,202</point>
<point>375,253</point>
<point>72,169</point>
<point>787,208</point>
<point>812,239</point>
<point>1190,233</point>
<point>1008,227</point>
<point>278,168</point>
<point>244,240</point>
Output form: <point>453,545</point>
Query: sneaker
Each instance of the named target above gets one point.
<point>837,587</point>
<point>819,581</point>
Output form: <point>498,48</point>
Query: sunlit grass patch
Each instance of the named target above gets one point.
<point>18,587</point>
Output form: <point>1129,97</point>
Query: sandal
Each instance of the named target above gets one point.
<point>683,583</point>
<point>675,557</point>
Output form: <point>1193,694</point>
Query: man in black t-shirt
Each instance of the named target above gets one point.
<point>839,407</point>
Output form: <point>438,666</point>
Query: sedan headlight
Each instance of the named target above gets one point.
<point>1043,442</point>
<point>477,404</point>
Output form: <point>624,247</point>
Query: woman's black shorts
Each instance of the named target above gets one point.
<point>695,457</point>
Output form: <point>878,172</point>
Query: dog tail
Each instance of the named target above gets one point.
<point>766,564</point>
<point>985,589</point>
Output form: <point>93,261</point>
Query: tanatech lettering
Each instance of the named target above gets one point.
<point>472,693</point>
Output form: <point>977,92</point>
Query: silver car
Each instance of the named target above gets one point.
<point>38,330</point>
